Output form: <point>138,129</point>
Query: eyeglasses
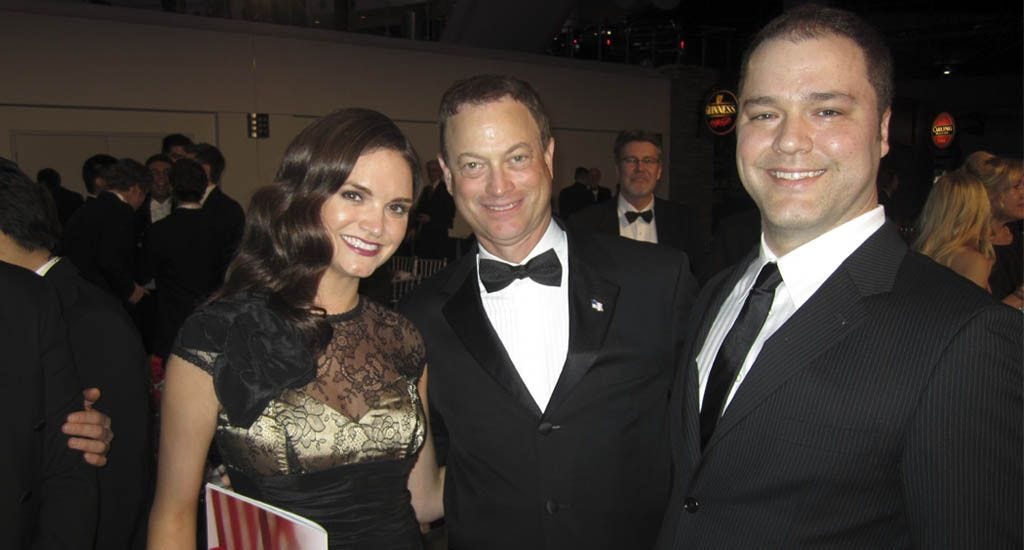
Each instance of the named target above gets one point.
<point>647,161</point>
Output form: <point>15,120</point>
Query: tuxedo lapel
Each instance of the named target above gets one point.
<point>828,317</point>
<point>592,301</point>
<point>464,312</point>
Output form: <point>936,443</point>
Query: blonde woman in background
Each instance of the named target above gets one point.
<point>1004,182</point>
<point>955,227</point>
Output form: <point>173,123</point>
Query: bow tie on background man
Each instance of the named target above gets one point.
<point>544,269</point>
<point>646,216</point>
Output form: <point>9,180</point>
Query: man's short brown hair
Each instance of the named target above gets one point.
<point>810,21</point>
<point>488,88</point>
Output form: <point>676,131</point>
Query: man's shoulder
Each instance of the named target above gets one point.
<point>429,295</point>
<point>594,216</point>
<point>614,254</point>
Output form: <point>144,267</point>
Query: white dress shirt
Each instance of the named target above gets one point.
<point>639,230</point>
<point>159,210</point>
<point>532,320</point>
<point>803,271</point>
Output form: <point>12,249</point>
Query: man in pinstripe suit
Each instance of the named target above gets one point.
<point>876,400</point>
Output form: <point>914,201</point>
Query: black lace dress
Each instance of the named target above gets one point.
<point>331,438</point>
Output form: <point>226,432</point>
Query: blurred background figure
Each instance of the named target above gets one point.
<point>180,256</point>
<point>92,174</point>
<point>955,227</point>
<point>175,146</point>
<point>100,236</point>
<point>1004,182</point>
<point>65,200</point>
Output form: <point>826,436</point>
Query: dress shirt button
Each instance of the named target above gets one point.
<point>546,428</point>
<point>691,505</point>
<point>25,497</point>
<point>551,506</point>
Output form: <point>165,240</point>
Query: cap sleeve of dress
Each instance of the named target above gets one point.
<point>249,350</point>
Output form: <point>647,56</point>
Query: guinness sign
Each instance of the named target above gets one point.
<point>720,112</point>
<point>943,130</point>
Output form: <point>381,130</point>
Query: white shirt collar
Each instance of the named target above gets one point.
<point>45,268</point>
<point>554,238</point>
<point>806,268</point>
<point>624,206</point>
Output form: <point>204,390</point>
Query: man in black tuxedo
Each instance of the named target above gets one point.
<point>226,217</point>
<point>100,236</point>
<point>107,353</point>
<point>47,493</point>
<point>580,194</point>
<point>637,214</point>
<point>549,377</point>
<point>180,255</point>
<point>840,391</point>
<point>435,212</point>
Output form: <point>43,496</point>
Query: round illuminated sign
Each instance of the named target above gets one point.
<point>720,112</point>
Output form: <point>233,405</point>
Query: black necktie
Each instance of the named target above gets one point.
<point>735,347</point>
<point>646,215</point>
<point>544,269</point>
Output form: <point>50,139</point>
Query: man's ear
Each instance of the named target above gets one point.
<point>883,132</point>
<point>447,174</point>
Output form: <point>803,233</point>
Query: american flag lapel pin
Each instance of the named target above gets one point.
<point>596,306</point>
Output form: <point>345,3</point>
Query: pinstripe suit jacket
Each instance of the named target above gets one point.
<point>886,413</point>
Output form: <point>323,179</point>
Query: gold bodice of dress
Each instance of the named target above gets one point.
<point>362,406</point>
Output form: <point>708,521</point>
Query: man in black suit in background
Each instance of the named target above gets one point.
<point>551,353</point>
<point>66,200</point>
<point>107,353</point>
<point>180,255</point>
<point>226,217</point>
<point>637,214</point>
<point>92,174</point>
<point>100,236</point>
<point>577,196</point>
<point>840,391</point>
<point>435,212</point>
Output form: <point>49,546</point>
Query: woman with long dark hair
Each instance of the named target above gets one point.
<point>314,395</point>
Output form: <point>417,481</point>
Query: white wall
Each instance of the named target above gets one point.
<point>81,79</point>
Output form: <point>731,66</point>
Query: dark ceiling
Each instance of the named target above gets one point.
<point>927,37</point>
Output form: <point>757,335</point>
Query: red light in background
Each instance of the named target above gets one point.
<point>682,44</point>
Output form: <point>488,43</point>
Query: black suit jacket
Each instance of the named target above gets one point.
<point>578,196</point>
<point>677,227</point>
<point>886,413</point>
<point>591,471</point>
<point>227,222</point>
<point>66,201</point>
<point>47,492</point>
<point>185,263</point>
<point>108,353</point>
<point>100,240</point>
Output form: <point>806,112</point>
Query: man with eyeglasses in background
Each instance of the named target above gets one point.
<point>637,214</point>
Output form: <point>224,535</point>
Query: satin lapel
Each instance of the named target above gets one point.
<point>592,301</point>
<point>465,313</point>
<point>829,316</point>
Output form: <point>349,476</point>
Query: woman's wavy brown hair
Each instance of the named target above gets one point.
<point>285,249</point>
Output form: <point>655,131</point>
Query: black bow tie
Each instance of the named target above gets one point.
<point>544,269</point>
<point>646,215</point>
